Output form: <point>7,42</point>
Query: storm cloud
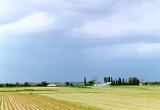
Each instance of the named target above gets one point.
<point>59,40</point>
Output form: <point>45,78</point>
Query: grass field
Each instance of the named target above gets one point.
<point>95,98</point>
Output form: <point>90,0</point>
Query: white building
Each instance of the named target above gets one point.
<point>51,85</point>
<point>103,84</point>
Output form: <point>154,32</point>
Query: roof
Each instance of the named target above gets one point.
<point>103,84</point>
<point>51,85</point>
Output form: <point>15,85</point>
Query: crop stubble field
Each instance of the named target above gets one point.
<point>94,98</point>
<point>114,98</point>
<point>13,101</point>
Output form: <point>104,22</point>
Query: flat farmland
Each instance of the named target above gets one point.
<point>90,98</point>
<point>113,98</point>
<point>13,101</point>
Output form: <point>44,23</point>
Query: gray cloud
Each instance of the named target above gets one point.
<point>77,38</point>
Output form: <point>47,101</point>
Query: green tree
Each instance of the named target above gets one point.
<point>44,83</point>
<point>26,84</point>
<point>91,83</point>
<point>67,83</point>
<point>133,81</point>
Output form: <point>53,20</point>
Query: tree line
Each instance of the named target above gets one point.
<point>119,81</point>
<point>152,83</point>
<point>25,84</point>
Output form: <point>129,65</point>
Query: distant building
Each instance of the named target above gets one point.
<point>51,85</point>
<point>103,84</point>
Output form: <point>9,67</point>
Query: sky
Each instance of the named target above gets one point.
<point>67,40</point>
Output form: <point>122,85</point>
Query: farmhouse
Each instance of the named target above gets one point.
<point>103,84</point>
<point>51,85</point>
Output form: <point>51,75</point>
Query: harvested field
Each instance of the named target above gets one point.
<point>112,98</point>
<point>73,98</point>
<point>11,101</point>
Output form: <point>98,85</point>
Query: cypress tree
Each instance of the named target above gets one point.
<point>119,81</point>
<point>105,79</point>
<point>85,81</point>
<point>123,81</point>
<point>109,79</point>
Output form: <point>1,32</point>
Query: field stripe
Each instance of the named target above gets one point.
<point>13,101</point>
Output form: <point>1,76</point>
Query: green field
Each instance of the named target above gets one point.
<point>91,98</point>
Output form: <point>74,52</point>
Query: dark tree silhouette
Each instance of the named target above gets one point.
<point>26,84</point>
<point>105,79</point>
<point>85,81</point>
<point>109,79</point>
<point>71,84</point>
<point>44,83</point>
<point>123,81</point>
<point>133,81</point>
<point>119,81</point>
<point>91,83</point>
<point>67,83</point>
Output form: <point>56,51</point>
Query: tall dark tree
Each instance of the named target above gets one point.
<point>113,82</point>
<point>123,81</point>
<point>116,82</point>
<point>67,83</point>
<point>119,81</point>
<point>85,81</point>
<point>105,79</point>
<point>109,79</point>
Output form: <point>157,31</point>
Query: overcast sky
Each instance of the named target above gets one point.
<point>67,40</point>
